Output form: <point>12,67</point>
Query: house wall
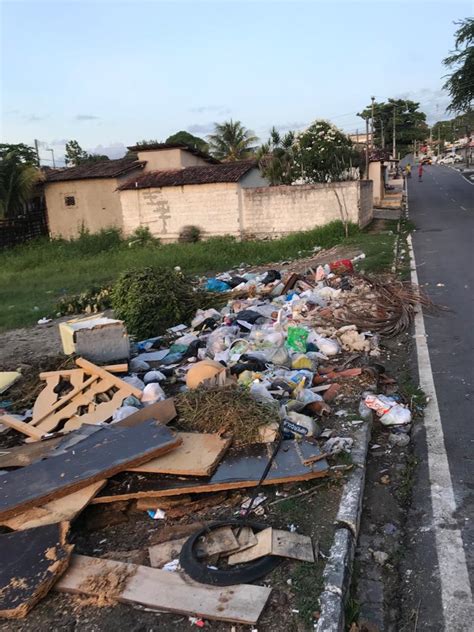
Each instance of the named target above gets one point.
<point>212,207</point>
<point>223,209</point>
<point>375,174</point>
<point>253,178</point>
<point>97,206</point>
<point>166,159</point>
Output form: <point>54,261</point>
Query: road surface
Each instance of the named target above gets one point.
<point>438,569</point>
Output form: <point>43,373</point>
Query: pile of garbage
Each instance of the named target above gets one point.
<point>252,394</point>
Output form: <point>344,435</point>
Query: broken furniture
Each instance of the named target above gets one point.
<point>97,338</point>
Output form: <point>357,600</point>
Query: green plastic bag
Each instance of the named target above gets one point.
<point>296,340</point>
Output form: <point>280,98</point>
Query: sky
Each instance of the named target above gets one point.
<point>110,73</point>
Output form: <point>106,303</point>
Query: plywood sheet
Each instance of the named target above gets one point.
<point>172,592</point>
<point>28,453</point>
<point>61,510</point>
<point>198,455</point>
<point>105,452</point>
<point>32,561</point>
<point>237,470</point>
<point>276,542</point>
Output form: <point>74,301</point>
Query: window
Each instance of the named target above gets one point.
<point>69,200</point>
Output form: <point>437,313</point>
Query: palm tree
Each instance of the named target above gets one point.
<point>231,141</point>
<point>17,182</point>
<point>275,157</point>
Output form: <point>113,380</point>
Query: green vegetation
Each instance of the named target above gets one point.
<point>460,83</point>
<point>18,178</point>
<point>186,138</point>
<point>34,277</point>
<point>232,141</point>
<point>76,156</point>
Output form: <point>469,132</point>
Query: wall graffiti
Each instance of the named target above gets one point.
<point>160,206</point>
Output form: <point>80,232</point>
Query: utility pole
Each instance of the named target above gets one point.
<point>52,154</point>
<point>37,152</point>
<point>367,149</point>
<point>394,140</point>
<point>382,133</point>
<point>372,123</point>
<point>439,137</point>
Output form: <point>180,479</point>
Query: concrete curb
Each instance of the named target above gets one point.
<point>338,569</point>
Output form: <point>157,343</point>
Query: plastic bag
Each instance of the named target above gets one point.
<point>260,393</point>
<point>152,393</point>
<point>396,416</point>
<point>153,376</point>
<point>123,412</point>
<point>327,346</point>
<point>135,381</point>
<point>221,339</point>
<point>296,340</point>
<point>214,285</point>
<point>297,425</point>
<point>278,356</point>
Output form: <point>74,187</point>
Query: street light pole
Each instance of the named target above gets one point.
<point>394,140</point>
<point>372,123</point>
<point>367,149</point>
<point>52,154</point>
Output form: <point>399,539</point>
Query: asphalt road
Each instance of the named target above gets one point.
<point>442,208</point>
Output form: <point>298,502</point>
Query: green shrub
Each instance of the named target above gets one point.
<point>190,234</point>
<point>150,300</point>
<point>91,301</point>
<point>142,236</point>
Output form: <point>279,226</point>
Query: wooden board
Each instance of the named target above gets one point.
<point>161,554</point>
<point>217,541</point>
<point>28,453</point>
<point>163,411</point>
<point>172,592</point>
<point>32,561</point>
<point>237,470</point>
<point>61,510</point>
<point>111,368</point>
<point>276,542</point>
<point>93,369</point>
<point>105,452</point>
<point>198,455</point>
<point>7,379</point>
<point>21,426</point>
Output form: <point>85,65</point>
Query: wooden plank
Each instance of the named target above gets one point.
<point>28,453</point>
<point>32,561</point>
<point>276,542</point>
<point>7,379</point>
<point>111,368</point>
<point>172,592</point>
<point>46,398</point>
<point>163,411</point>
<point>89,367</point>
<point>217,541</point>
<point>240,468</point>
<point>21,426</point>
<point>63,400</point>
<point>61,510</point>
<point>161,554</point>
<point>198,455</point>
<point>105,452</point>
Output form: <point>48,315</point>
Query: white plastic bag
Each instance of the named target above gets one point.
<point>153,376</point>
<point>135,381</point>
<point>152,393</point>
<point>122,412</point>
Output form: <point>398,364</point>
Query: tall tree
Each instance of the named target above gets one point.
<point>24,153</point>
<point>460,83</point>
<point>188,139</point>
<point>276,157</point>
<point>323,153</point>
<point>410,123</point>
<point>76,156</point>
<point>17,182</point>
<point>232,141</point>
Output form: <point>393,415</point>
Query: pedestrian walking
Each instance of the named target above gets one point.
<point>408,170</point>
<point>420,172</point>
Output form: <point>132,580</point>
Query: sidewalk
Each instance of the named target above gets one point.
<point>391,205</point>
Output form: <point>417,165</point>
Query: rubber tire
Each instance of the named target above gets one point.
<point>243,574</point>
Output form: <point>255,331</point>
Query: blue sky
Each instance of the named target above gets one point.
<point>110,73</point>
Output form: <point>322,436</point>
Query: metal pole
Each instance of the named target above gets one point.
<point>382,133</point>
<point>439,137</point>
<point>52,154</point>
<point>367,149</point>
<point>372,123</point>
<point>394,141</point>
<point>37,152</point>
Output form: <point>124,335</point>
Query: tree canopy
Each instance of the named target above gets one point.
<point>18,177</point>
<point>232,141</point>
<point>450,130</point>
<point>460,83</point>
<point>75,155</point>
<point>188,139</point>
<point>323,153</point>
<point>410,123</point>
<point>24,153</point>
<point>276,157</point>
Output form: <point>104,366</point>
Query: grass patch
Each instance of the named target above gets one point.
<point>405,488</point>
<point>307,583</point>
<point>35,276</point>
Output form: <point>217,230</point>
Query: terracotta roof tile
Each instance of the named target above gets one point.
<point>208,174</point>
<point>101,169</point>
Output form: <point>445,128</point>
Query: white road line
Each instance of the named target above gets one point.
<point>456,596</point>
<point>463,208</point>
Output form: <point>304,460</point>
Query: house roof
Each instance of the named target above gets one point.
<point>190,148</point>
<point>101,169</point>
<point>207,174</point>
